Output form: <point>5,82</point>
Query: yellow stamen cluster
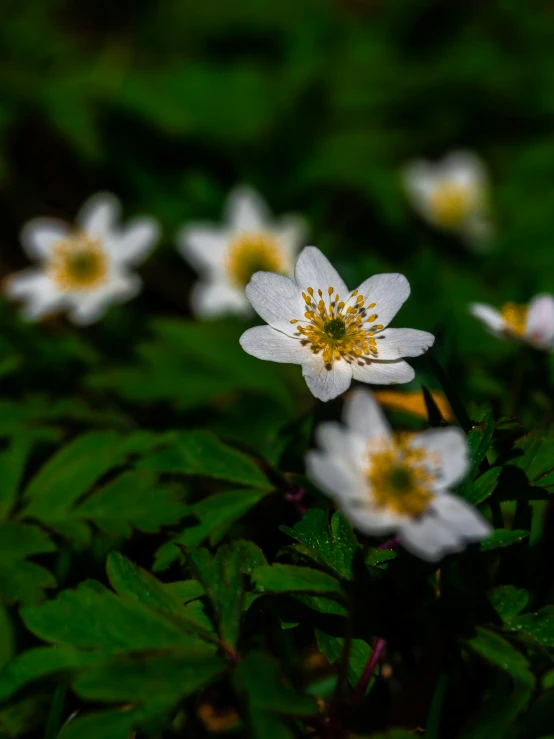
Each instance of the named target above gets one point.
<point>450,204</point>
<point>401,476</point>
<point>251,252</point>
<point>338,329</point>
<point>515,318</point>
<point>78,263</point>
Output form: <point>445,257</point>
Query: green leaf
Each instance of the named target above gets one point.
<point>223,577</point>
<point>331,546</point>
<point>93,617</point>
<point>503,538</point>
<point>117,723</point>
<point>538,626</point>
<point>215,514</point>
<point>150,677</point>
<point>12,464</point>
<point>127,579</point>
<point>537,448</point>
<point>7,642</point>
<point>202,453</point>
<point>21,580</point>
<point>508,601</point>
<point>41,662</point>
<point>482,488</point>
<point>72,471</point>
<point>280,578</point>
<point>258,676</point>
<point>22,717</point>
<point>502,654</point>
<point>332,647</point>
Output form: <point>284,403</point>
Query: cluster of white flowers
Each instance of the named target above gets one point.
<point>385,482</point>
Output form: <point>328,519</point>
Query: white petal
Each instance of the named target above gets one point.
<point>462,517</point>
<point>37,291</point>
<point>135,243</point>
<point>449,452</point>
<point>339,441</point>
<point>276,299</point>
<point>429,538</point>
<point>384,373</point>
<point>246,210</point>
<point>291,232</point>
<point>90,307</point>
<point>419,180</point>
<point>388,291</point>
<point>466,169</point>
<point>39,236</point>
<point>313,269</point>
<point>210,299</point>
<point>363,415</point>
<point>204,246</point>
<point>98,217</point>
<point>540,321</point>
<point>326,382</point>
<point>394,343</point>
<point>331,474</point>
<point>489,316</point>
<point>371,520</point>
<point>266,343</point>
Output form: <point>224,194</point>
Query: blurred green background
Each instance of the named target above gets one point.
<point>318,104</point>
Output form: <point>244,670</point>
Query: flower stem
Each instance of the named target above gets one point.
<point>369,669</point>
<point>296,497</point>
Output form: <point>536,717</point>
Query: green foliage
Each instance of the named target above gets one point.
<point>166,568</point>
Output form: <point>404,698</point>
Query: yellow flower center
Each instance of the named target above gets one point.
<point>253,252</point>
<point>450,204</point>
<point>78,263</point>
<point>338,329</point>
<point>401,476</point>
<point>515,318</point>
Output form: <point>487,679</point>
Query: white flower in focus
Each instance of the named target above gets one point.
<point>82,268</point>
<point>398,483</point>
<point>227,256</point>
<point>452,195</point>
<point>533,323</point>
<point>335,335</point>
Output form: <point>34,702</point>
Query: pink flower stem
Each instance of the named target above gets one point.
<point>296,498</point>
<point>369,669</point>
<point>390,543</point>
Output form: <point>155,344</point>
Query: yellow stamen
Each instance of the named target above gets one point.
<point>78,263</point>
<point>254,252</point>
<point>401,476</point>
<point>515,318</point>
<point>338,329</point>
<point>450,204</point>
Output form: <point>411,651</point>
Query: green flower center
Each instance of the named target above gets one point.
<point>335,328</point>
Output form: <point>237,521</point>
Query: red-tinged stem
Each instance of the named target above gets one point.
<point>369,669</point>
<point>390,543</point>
<point>296,499</point>
<point>234,657</point>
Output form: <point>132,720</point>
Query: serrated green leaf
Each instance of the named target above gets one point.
<point>150,677</point>
<point>477,491</point>
<point>12,464</point>
<point>503,538</point>
<point>202,453</point>
<point>117,723</point>
<point>508,601</point>
<point>7,644</point>
<point>538,626</point>
<point>214,514</point>
<point>537,455</point>
<point>280,578</point>
<point>332,647</point>
<point>501,653</point>
<point>332,546</point>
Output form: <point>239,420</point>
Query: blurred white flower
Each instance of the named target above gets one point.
<point>83,268</point>
<point>453,195</point>
<point>335,335</point>
<point>389,482</point>
<point>533,323</point>
<point>227,256</point>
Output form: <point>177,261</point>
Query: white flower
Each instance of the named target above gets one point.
<point>227,256</point>
<point>533,323</point>
<point>396,482</point>
<point>82,269</point>
<point>334,334</point>
<point>452,195</point>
